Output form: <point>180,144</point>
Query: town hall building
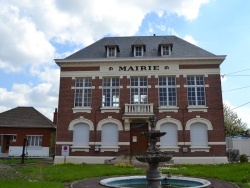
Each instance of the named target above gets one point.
<point>110,89</point>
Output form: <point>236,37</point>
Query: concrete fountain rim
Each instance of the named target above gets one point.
<point>204,182</point>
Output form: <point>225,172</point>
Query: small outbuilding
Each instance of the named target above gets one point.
<point>26,126</point>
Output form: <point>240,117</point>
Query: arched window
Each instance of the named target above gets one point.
<point>109,135</point>
<point>81,134</point>
<point>171,138</point>
<point>198,135</point>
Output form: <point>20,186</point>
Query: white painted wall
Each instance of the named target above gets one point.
<point>32,151</point>
<point>79,159</point>
<point>176,160</point>
<point>242,144</point>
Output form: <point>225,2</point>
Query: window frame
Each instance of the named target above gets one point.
<point>171,136</point>
<point>165,50</point>
<point>168,89</point>
<point>34,140</point>
<point>198,97</point>
<point>141,89</point>
<point>111,51</point>
<point>138,51</point>
<point>109,143</point>
<point>195,141</point>
<point>81,88</point>
<point>112,92</point>
<point>84,140</point>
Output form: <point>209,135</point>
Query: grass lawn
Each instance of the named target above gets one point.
<point>35,173</point>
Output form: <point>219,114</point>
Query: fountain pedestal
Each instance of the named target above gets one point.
<point>153,156</point>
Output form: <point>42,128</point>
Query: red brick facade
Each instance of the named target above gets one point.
<point>185,117</point>
<point>214,114</point>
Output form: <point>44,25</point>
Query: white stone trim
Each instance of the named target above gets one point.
<point>80,148</point>
<point>85,109</point>
<point>169,148</point>
<point>110,109</point>
<point>168,109</point>
<point>200,160</point>
<point>216,143</point>
<point>82,159</point>
<point>64,143</point>
<point>100,143</point>
<point>184,143</point>
<point>109,148</point>
<point>168,119</point>
<point>81,119</point>
<point>199,148</point>
<point>199,120</point>
<point>197,108</point>
<point>109,120</point>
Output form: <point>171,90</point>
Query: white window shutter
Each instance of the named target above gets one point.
<point>109,135</point>
<point>198,135</point>
<point>171,138</point>
<point>81,135</point>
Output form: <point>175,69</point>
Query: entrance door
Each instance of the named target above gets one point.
<point>138,142</point>
<point>6,143</point>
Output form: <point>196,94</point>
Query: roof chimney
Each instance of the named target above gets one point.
<point>55,117</point>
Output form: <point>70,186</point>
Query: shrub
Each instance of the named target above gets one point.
<point>243,158</point>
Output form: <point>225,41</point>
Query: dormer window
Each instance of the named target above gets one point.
<point>138,48</point>
<point>112,48</point>
<point>165,47</point>
<point>111,52</point>
<point>138,51</point>
<point>165,50</point>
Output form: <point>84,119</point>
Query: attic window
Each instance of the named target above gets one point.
<point>111,51</point>
<point>112,48</point>
<point>138,51</point>
<point>165,50</point>
<point>138,47</point>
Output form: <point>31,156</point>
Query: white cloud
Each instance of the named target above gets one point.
<point>27,29</point>
<point>21,43</point>
<point>190,39</point>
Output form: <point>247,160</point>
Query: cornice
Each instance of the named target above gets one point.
<point>63,62</point>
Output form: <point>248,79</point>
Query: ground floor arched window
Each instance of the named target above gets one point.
<point>81,134</point>
<point>198,134</point>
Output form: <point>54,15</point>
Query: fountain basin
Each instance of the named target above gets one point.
<point>153,134</point>
<point>153,158</point>
<point>141,182</point>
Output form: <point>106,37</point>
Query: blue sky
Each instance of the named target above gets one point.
<point>34,33</point>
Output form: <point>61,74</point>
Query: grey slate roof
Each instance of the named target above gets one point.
<point>25,117</point>
<point>180,47</point>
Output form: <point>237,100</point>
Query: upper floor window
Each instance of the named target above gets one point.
<point>167,91</point>
<point>139,90</point>
<point>111,52</point>
<point>138,51</point>
<point>165,50</point>
<point>110,92</point>
<point>196,90</point>
<point>83,92</point>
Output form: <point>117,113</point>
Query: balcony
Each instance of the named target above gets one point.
<point>139,109</point>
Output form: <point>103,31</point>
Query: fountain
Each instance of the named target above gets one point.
<point>153,157</point>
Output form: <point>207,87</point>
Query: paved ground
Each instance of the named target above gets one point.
<point>94,183</point>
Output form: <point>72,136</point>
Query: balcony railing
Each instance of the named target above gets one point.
<point>135,109</point>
